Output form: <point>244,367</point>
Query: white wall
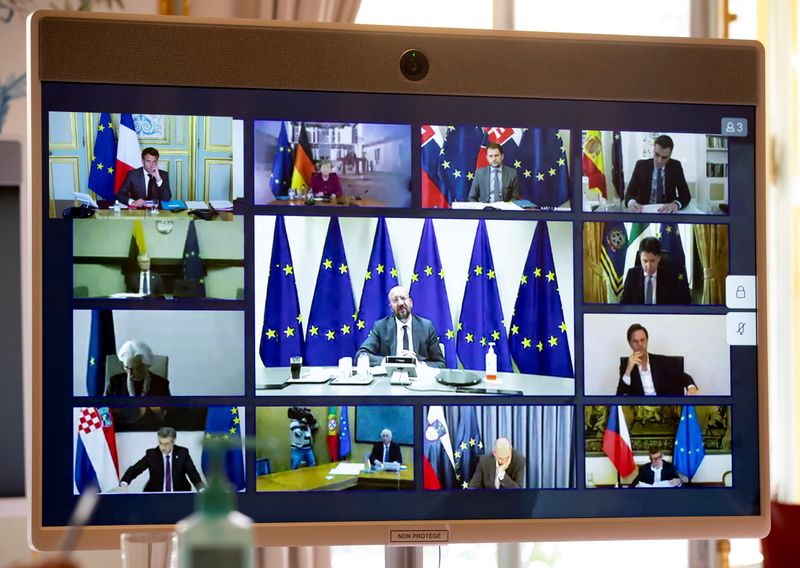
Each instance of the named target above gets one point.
<point>600,471</point>
<point>690,150</point>
<point>205,348</point>
<point>510,241</point>
<point>700,339</point>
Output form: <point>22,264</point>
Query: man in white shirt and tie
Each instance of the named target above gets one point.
<point>170,467</point>
<point>658,472</point>
<point>147,183</point>
<point>494,182</point>
<point>385,451</point>
<point>658,180</point>
<point>145,281</point>
<point>652,281</point>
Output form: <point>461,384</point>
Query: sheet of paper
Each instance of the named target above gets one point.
<point>196,205</point>
<point>221,204</point>
<point>347,468</point>
<point>474,205</point>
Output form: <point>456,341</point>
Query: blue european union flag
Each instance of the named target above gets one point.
<point>430,294</point>
<point>381,276</point>
<point>102,342</point>
<point>612,253</point>
<point>689,447</point>
<point>538,337</point>
<point>330,333</point>
<point>104,159</point>
<point>469,446</point>
<point>345,445</point>
<point>282,332</point>
<point>671,243</point>
<point>225,423</point>
<point>481,319</point>
<point>542,171</point>
<point>193,267</point>
<point>280,180</point>
<point>457,161</point>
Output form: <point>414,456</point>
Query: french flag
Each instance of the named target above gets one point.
<point>432,191</point>
<point>96,461</point>
<point>129,155</point>
<point>438,465</point>
<point>617,442</point>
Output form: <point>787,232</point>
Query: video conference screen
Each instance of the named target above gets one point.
<point>421,307</point>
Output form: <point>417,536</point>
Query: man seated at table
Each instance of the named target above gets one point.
<point>403,334</point>
<point>385,451</point>
<point>494,182</point>
<point>658,472</point>
<point>144,281</point>
<point>147,183</point>
<point>653,281</point>
<point>658,180</point>
<point>502,469</point>
<point>169,465</point>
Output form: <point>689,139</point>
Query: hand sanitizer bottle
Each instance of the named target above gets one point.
<point>491,363</point>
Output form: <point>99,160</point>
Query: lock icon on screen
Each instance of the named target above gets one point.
<point>740,293</point>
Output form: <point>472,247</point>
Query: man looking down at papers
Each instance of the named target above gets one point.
<point>403,334</point>
<point>658,472</point>
<point>659,180</point>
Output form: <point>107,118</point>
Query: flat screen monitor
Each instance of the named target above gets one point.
<point>574,223</point>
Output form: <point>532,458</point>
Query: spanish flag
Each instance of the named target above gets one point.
<point>593,167</point>
<point>303,163</point>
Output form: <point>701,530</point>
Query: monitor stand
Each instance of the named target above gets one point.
<point>403,556</point>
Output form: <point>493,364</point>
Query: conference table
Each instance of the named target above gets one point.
<point>273,382</point>
<point>319,478</point>
<point>58,205</point>
<point>344,201</point>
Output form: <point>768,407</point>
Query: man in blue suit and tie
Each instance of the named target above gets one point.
<point>494,182</point>
<point>403,334</point>
<point>147,183</point>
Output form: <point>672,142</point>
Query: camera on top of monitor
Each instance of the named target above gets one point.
<point>414,65</point>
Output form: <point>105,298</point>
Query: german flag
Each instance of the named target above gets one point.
<point>303,163</point>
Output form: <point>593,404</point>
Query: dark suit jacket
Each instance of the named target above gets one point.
<point>183,470</point>
<point>483,478</point>
<point>509,185</point>
<point>382,341</point>
<point>117,385</point>
<point>156,283</point>
<point>668,376</point>
<point>668,472</point>
<point>675,186</point>
<point>669,290</point>
<point>394,453</point>
<point>134,188</point>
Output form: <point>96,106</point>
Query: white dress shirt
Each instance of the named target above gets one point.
<point>400,325</point>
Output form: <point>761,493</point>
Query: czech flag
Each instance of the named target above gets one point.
<point>617,442</point>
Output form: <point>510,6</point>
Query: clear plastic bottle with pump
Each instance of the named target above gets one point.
<point>491,363</point>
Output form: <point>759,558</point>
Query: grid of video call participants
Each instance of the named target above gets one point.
<point>371,280</point>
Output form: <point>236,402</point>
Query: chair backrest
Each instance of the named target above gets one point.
<point>160,366</point>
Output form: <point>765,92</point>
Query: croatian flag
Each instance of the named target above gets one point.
<point>617,442</point>
<point>129,155</point>
<point>96,460</point>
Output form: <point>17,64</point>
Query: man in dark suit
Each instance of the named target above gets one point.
<point>503,469</point>
<point>653,282</point>
<point>170,466</point>
<point>494,182</point>
<point>385,451</point>
<point>659,180</point>
<point>144,281</point>
<point>648,374</point>
<point>403,334</point>
<point>658,470</point>
<point>147,183</point>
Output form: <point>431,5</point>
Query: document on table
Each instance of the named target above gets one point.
<point>196,205</point>
<point>347,468</point>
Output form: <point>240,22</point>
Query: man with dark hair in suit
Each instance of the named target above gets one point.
<point>147,183</point>
<point>659,180</point>
<point>170,466</point>
<point>403,334</point>
<point>503,469</point>
<point>385,451</point>
<point>494,182</point>
<point>658,471</point>
<point>648,374</point>
<point>144,281</point>
<point>653,282</point>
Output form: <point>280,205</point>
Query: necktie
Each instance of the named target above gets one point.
<point>405,338</point>
<point>167,474</point>
<point>151,188</point>
<point>660,186</point>
<point>494,186</point>
<point>145,283</point>
<point>385,454</point>
<point>648,290</point>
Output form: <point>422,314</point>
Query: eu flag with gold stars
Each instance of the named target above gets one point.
<point>689,447</point>
<point>280,180</point>
<point>538,334</point>
<point>282,332</point>
<point>430,294</point>
<point>541,164</point>
<point>104,159</point>
<point>194,269</point>
<point>380,277</point>
<point>102,342</point>
<point>671,244</point>
<point>457,161</point>
<point>469,445</point>
<point>225,423</point>
<point>481,313</point>
<point>330,333</point>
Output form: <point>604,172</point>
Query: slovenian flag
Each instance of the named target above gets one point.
<point>129,155</point>
<point>96,460</point>
<point>617,442</point>
<point>438,462</point>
